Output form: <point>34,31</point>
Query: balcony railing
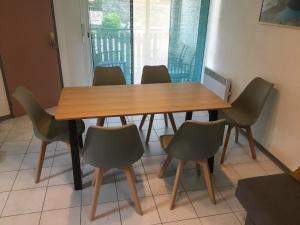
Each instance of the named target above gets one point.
<point>112,47</point>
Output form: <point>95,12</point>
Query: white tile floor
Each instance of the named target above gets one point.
<point>53,200</point>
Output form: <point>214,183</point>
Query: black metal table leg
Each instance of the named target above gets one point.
<point>213,116</point>
<point>80,141</point>
<point>188,115</point>
<point>75,155</point>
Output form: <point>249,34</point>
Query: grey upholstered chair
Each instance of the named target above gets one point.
<point>153,75</point>
<point>115,147</point>
<point>45,126</point>
<point>109,76</point>
<point>195,141</point>
<point>245,111</point>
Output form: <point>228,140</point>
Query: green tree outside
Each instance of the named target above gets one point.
<point>111,20</point>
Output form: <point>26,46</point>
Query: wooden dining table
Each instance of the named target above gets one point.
<point>127,100</point>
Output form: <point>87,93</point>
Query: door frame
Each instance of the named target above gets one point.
<point>59,66</point>
<point>86,34</point>
<point>6,92</point>
<point>56,40</point>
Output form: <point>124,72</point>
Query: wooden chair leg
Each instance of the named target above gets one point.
<point>208,180</point>
<point>236,135</point>
<point>99,175</point>
<point>198,169</point>
<point>100,121</point>
<point>131,181</point>
<point>41,161</point>
<point>142,122</point>
<point>164,167</point>
<point>172,122</point>
<point>176,182</point>
<point>132,172</point>
<point>166,119</point>
<point>123,120</point>
<point>251,142</point>
<point>94,178</point>
<point>226,144</point>
<point>149,128</point>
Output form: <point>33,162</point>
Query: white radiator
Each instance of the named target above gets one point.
<point>216,83</point>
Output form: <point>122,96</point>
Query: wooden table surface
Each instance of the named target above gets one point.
<point>109,101</point>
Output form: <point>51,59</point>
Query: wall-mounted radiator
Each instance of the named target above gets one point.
<point>216,83</point>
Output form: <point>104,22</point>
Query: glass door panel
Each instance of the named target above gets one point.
<point>110,34</point>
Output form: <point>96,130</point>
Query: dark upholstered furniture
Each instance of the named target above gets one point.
<point>270,200</point>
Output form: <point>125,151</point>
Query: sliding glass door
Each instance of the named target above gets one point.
<point>134,33</point>
<point>151,22</point>
<point>111,34</point>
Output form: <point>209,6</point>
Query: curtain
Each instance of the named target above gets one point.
<point>188,25</point>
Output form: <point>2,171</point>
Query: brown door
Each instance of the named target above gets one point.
<point>28,52</point>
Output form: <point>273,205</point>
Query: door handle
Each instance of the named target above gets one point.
<point>52,40</point>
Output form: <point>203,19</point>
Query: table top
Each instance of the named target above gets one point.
<point>125,100</point>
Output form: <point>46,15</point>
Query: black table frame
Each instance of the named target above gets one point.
<point>75,143</point>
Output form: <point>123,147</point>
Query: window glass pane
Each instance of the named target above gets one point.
<point>111,34</point>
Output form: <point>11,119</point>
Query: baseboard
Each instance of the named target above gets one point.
<point>268,154</point>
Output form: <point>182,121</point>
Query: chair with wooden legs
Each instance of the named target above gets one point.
<point>245,111</point>
<point>45,126</point>
<point>194,141</point>
<point>109,76</point>
<point>153,75</point>
<point>109,148</point>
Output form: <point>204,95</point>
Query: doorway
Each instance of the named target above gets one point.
<point>29,51</point>
<point>134,33</point>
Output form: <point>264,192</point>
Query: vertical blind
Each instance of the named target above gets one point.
<point>187,39</point>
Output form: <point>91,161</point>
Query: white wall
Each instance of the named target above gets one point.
<point>4,108</point>
<point>242,48</point>
<point>74,55</point>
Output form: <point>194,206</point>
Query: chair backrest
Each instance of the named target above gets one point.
<point>197,140</point>
<point>35,112</point>
<point>108,76</point>
<point>112,147</point>
<point>253,98</point>
<point>155,74</point>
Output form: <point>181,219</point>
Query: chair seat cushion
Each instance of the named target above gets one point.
<point>271,200</point>
<point>236,117</point>
<point>165,141</point>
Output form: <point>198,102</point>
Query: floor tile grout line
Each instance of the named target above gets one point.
<point>223,196</point>
<point>42,210</point>
<point>13,183</point>
<point>237,218</point>
<point>188,196</point>
<point>152,195</point>
<point>186,191</point>
<point>118,201</point>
